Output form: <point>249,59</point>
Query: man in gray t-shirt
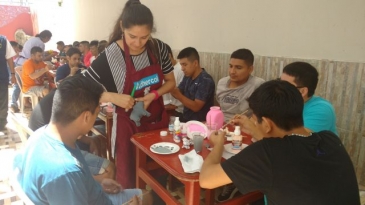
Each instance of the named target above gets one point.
<point>233,90</point>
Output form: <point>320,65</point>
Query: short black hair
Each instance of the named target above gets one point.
<point>75,44</point>
<point>94,43</point>
<point>279,101</point>
<point>71,51</point>
<point>74,96</point>
<point>169,50</point>
<point>60,43</point>
<point>189,53</point>
<point>305,75</point>
<point>245,55</point>
<point>36,49</point>
<point>103,42</point>
<point>20,47</point>
<point>14,43</point>
<point>86,43</point>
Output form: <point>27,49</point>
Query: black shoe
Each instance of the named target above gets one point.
<point>14,109</point>
<point>228,192</point>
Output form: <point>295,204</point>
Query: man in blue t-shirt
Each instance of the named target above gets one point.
<point>318,113</point>
<point>51,168</point>
<point>196,90</point>
<point>71,67</point>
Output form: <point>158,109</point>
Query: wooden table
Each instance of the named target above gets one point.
<point>171,164</point>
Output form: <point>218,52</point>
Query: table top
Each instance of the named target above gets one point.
<point>171,162</point>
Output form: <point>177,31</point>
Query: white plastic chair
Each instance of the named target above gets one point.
<point>18,189</point>
<point>33,97</point>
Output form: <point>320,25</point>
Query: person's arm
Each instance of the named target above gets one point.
<point>74,190</point>
<point>212,174</point>
<point>10,53</point>
<point>194,105</point>
<point>12,70</point>
<point>121,100</point>
<point>40,72</point>
<point>100,72</point>
<point>248,126</point>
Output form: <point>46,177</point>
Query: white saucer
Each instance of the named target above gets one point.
<point>164,148</point>
<point>228,148</point>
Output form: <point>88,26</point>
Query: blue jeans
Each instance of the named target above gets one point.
<point>15,95</point>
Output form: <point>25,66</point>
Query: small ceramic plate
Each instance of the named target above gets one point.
<point>228,148</point>
<point>195,127</point>
<point>164,148</point>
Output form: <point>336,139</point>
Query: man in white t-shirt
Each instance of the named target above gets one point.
<point>232,93</point>
<point>179,75</point>
<point>233,90</point>
<point>6,58</point>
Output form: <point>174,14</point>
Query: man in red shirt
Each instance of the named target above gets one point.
<point>84,48</point>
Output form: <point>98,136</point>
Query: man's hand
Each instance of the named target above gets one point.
<point>248,126</point>
<point>217,138</point>
<point>110,186</point>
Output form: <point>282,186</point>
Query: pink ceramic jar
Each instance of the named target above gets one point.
<point>215,116</point>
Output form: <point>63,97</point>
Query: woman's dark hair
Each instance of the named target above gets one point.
<point>135,14</point>
<point>245,55</point>
<point>44,34</point>
<point>74,96</point>
<point>279,101</point>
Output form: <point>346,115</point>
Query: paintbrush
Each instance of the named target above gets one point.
<point>139,196</point>
<point>244,112</point>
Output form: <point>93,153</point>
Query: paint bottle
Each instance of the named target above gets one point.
<point>177,130</point>
<point>237,139</point>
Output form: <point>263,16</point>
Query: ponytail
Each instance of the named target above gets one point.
<point>134,13</point>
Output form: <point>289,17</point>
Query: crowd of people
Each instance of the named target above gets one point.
<point>298,157</point>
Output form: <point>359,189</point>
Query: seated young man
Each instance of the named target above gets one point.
<point>232,93</point>
<point>196,90</point>
<point>179,75</point>
<point>51,168</point>
<point>84,48</point>
<point>289,165</point>
<point>94,50</point>
<point>99,167</point>
<point>71,67</point>
<point>318,113</point>
<point>233,90</point>
<point>34,71</point>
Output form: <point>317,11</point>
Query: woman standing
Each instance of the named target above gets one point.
<point>134,65</point>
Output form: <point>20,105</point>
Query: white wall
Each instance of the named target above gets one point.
<point>318,29</point>
<point>311,29</point>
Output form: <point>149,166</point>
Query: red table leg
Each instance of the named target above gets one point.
<point>141,161</point>
<point>209,196</point>
<point>192,193</point>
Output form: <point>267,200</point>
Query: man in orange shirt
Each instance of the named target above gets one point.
<point>33,73</point>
